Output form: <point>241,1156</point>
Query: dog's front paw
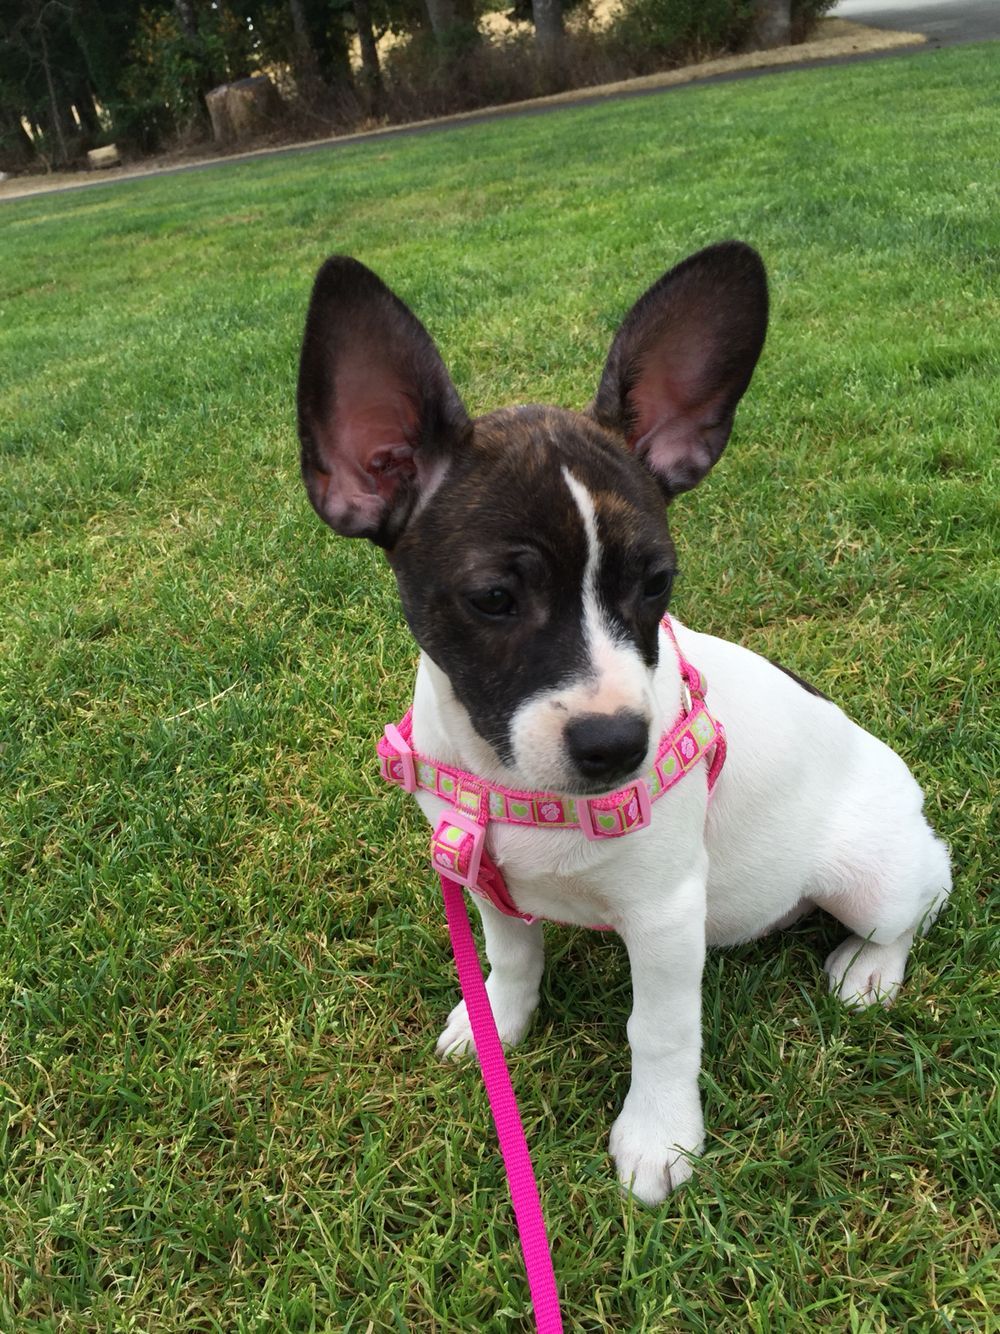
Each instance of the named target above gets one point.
<point>652,1143</point>
<point>511,1019</point>
<point>456,1037</point>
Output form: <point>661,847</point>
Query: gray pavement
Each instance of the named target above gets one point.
<point>943,22</point>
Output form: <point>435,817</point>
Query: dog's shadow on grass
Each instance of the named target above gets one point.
<point>756,997</point>
<point>588,981</point>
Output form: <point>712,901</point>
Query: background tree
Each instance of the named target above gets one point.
<point>547,16</point>
<point>371,68</point>
<point>773,22</point>
<point>37,60</point>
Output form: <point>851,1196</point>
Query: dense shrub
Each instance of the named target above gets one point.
<point>422,80</point>
<point>419,83</point>
<point>806,14</point>
<point>679,29</point>
<point>169,72</point>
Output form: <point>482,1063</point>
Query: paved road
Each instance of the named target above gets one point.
<point>944,22</point>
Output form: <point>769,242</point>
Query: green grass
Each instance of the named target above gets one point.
<point>223,961</point>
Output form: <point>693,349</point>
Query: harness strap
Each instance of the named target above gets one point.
<point>506,1117</point>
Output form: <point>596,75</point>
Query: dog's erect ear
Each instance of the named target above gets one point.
<point>682,360</point>
<point>378,414</point>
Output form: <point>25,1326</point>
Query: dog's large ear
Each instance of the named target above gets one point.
<point>682,360</point>
<point>378,413</point>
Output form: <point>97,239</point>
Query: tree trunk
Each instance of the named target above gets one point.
<point>370,68</point>
<point>185,12</point>
<point>17,148</point>
<point>55,110</point>
<point>773,24</point>
<point>304,63</point>
<point>465,16</point>
<point>549,30</point>
<point>333,52</point>
<point>442,16</point>
<point>305,56</point>
<point>205,73</point>
<point>454,25</point>
<point>83,100</point>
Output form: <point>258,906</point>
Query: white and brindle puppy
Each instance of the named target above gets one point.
<point>534,564</point>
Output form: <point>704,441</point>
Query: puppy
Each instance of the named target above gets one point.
<point>534,564</point>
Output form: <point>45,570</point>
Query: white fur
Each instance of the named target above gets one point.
<point>809,809</point>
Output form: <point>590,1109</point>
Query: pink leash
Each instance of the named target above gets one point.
<point>506,1118</point>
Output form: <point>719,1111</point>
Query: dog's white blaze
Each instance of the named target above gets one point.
<point>619,677</point>
<point>588,515</point>
<point>616,677</point>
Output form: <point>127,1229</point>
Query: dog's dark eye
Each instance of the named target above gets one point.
<point>657,585</point>
<point>494,602</point>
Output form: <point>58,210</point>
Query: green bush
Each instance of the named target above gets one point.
<point>681,28</point>
<point>685,29</point>
<point>170,71</point>
<point>806,14</point>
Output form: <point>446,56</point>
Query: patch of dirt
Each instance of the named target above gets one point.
<point>834,37</point>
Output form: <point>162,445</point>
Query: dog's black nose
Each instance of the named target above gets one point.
<point>606,746</point>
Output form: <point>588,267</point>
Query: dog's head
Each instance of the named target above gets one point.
<point>530,545</point>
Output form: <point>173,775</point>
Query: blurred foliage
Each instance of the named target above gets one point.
<point>74,74</point>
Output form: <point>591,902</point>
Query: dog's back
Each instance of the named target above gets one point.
<point>810,809</point>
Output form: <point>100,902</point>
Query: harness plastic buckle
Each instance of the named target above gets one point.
<point>407,775</point>
<point>595,830</point>
<point>687,703</point>
<point>457,847</point>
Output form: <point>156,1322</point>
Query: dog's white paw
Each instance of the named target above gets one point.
<point>456,1040</point>
<point>862,973</point>
<point>652,1144</point>
<point>456,1037</point>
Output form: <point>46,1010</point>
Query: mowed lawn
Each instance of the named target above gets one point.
<point>223,962</point>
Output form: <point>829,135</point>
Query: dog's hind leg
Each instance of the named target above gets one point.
<point>515,951</point>
<point>885,901</point>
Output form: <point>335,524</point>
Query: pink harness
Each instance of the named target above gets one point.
<point>458,854</point>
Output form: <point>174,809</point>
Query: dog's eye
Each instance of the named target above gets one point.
<point>657,585</point>
<point>494,602</point>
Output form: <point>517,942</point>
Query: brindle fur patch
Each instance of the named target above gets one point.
<point>806,685</point>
